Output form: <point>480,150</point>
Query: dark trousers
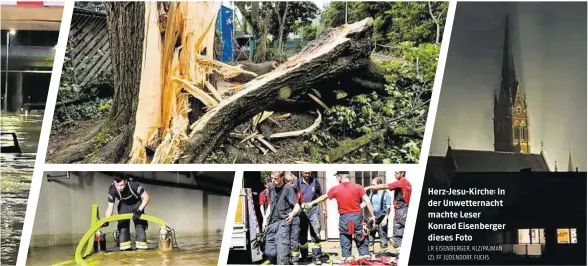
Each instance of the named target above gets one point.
<point>295,239</point>
<point>277,242</point>
<point>399,223</point>
<point>124,225</point>
<point>381,230</point>
<point>350,228</point>
<point>310,220</point>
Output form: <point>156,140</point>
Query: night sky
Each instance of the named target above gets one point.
<point>549,44</point>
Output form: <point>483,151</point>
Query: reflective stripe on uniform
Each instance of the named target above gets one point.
<point>141,245</point>
<point>303,246</point>
<point>125,245</point>
<point>315,245</point>
<point>295,253</point>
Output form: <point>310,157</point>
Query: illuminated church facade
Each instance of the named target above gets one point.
<point>512,150</point>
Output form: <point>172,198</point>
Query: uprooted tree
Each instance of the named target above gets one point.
<point>159,69</point>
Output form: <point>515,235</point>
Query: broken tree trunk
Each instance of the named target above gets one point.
<point>348,146</point>
<point>259,69</point>
<point>148,118</point>
<point>337,52</point>
<point>369,78</point>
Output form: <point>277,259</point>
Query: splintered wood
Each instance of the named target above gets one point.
<point>177,63</point>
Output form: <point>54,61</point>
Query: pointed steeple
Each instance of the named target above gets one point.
<point>509,77</point>
<point>570,163</point>
<point>511,132</point>
<point>556,166</point>
<point>541,147</point>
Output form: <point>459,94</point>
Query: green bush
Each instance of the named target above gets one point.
<point>67,115</point>
<point>403,106</point>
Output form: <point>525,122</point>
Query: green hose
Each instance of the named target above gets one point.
<point>79,258</point>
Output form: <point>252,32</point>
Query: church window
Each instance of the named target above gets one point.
<point>531,236</point>
<point>567,236</point>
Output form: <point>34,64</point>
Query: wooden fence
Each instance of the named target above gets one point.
<point>88,45</point>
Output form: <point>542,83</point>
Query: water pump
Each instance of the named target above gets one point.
<point>165,239</point>
<point>99,242</point>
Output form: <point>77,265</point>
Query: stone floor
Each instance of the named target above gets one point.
<point>334,249</point>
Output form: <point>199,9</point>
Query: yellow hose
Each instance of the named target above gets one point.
<point>79,258</point>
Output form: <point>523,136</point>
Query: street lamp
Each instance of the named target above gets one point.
<point>10,32</point>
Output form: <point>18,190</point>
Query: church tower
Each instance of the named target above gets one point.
<point>511,125</point>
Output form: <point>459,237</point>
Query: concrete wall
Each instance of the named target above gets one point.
<point>64,208</point>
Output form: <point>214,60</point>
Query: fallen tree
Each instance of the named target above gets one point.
<point>338,59</point>
<point>259,69</point>
<point>339,51</point>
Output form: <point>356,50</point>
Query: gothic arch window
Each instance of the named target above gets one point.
<point>523,130</point>
<point>515,133</point>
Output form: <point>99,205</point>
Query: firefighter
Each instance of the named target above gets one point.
<point>132,199</point>
<point>349,196</point>
<point>291,180</point>
<point>381,202</point>
<point>310,189</point>
<point>402,190</point>
<point>278,226</point>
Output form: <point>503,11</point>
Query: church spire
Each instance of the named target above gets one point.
<point>511,132</point>
<point>509,77</point>
<point>556,166</point>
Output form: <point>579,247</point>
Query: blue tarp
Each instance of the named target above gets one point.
<point>225,26</point>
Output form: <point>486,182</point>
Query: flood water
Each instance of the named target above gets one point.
<point>202,250</point>
<point>16,174</point>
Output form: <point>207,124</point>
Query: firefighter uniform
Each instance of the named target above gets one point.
<point>129,201</point>
<point>310,220</point>
<point>277,243</point>
<point>295,232</point>
<point>402,190</point>
<point>349,196</point>
<point>350,228</point>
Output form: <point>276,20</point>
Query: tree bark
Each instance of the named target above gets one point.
<point>261,49</point>
<point>259,69</point>
<point>339,51</point>
<point>282,21</point>
<point>126,24</point>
